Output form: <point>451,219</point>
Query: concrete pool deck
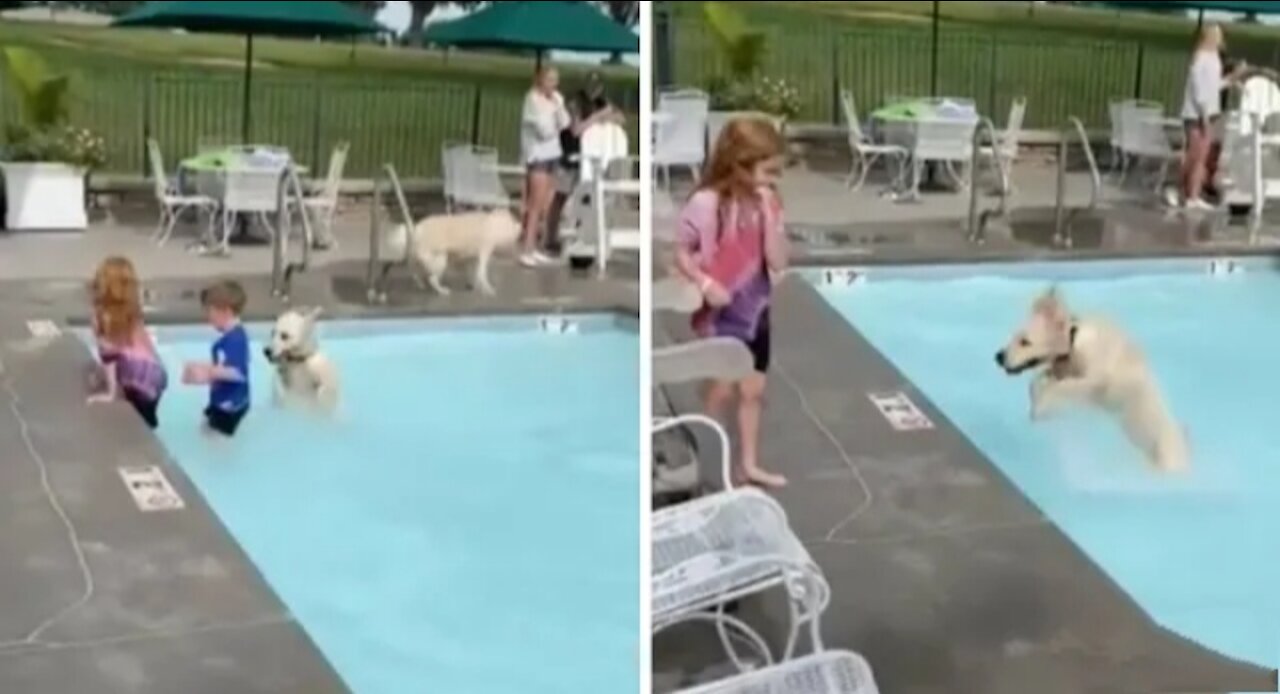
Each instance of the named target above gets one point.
<point>944,576</point>
<point>103,598</point>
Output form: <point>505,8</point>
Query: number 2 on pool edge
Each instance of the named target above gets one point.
<point>844,277</point>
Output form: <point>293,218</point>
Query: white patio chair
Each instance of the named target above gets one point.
<point>1121,114</point>
<point>726,546</point>
<point>251,191</point>
<point>1007,142</point>
<point>865,152</point>
<point>945,140</point>
<point>451,155</point>
<point>1115,113</point>
<point>172,202</point>
<point>608,172</point>
<point>322,204</point>
<point>682,140</point>
<point>830,672</point>
<point>1145,139</point>
<point>479,179</point>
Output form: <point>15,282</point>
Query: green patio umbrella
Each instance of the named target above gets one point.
<point>274,18</point>
<point>537,26</point>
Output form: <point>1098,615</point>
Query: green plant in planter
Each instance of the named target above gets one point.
<point>44,134</point>
<point>743,51</point>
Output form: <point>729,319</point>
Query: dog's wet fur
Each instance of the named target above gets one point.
<point>1091,361</point>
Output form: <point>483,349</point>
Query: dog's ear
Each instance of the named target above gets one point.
<point>1050,304</point>
<point>313,313</point>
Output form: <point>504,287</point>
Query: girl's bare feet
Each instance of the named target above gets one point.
<point>754,476</point>
<point>767,480</point>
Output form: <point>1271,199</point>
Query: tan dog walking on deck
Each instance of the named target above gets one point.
<point>464,235</point>
<point>1090,361</point>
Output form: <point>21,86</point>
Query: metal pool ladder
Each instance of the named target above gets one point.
<point>1062,218</point>
<point>376,277</point>
<point>282,270</point>
<point>978,221</point>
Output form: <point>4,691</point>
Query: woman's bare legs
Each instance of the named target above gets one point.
<point>1199,142</point>
<point>750,402</point>
<point>539,189</point>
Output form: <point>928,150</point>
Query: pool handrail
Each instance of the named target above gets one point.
<point>376,276</point>
<point>1061,224</point>
<point>978,222</point>
<point>282,271</point>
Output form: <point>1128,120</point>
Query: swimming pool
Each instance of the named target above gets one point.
<point>470,520</point>
<point>1200,554</point>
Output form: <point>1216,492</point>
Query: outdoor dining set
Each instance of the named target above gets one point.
<point>236,185</point>
<point>916,136</point>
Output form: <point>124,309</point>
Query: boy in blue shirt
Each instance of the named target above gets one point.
<point>227,374</point>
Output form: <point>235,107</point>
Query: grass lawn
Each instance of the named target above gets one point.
<point>1068,61</point>
<point>395,105</point>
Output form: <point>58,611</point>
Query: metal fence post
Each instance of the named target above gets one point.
<point>146,122</point>
<point>1137,77</point>
<point>836,99</point>
<point>662,44</point>
<point>995,73</point>
<point>315,123</point>
<point>475,117</point>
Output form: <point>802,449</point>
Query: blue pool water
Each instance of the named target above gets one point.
<point>1201,554</point>
<point>470,521</point>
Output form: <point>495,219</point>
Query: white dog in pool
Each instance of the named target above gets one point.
<point>303,373</point>
<point>1089,360</point>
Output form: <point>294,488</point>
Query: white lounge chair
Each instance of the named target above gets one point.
<point>681,139</point>
<point>724,547</point>
<point>831,672</point>
<point>865,152</point>
<point>172,201</point>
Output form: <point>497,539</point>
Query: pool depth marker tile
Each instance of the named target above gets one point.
<point>900,411</point>
<point>43,328</point>
<point>150,489</point>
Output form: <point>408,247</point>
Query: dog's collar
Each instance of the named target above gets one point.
<point>291,358</point>
<point>1071,344</point>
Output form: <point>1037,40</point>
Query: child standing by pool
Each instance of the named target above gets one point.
<point>130,364</point>
<point>227,374</point>
<point>731,243</point>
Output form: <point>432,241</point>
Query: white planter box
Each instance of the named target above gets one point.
<point>44,197</point>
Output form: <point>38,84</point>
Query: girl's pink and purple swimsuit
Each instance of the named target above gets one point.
<point>729,246</point>
<point>138,370</point>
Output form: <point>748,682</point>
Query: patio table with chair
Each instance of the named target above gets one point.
<point>932,131</point>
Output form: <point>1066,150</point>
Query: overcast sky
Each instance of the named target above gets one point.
<point>396,16</point>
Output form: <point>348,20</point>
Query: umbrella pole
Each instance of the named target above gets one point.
<point>537,60</point>
<point>1200,19</point>
<point>248,87</point>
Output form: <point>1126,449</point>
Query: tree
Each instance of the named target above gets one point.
<point>112,8</point>
<point>625,13</point>
<point>419,12</point>
<point>369,7</point>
